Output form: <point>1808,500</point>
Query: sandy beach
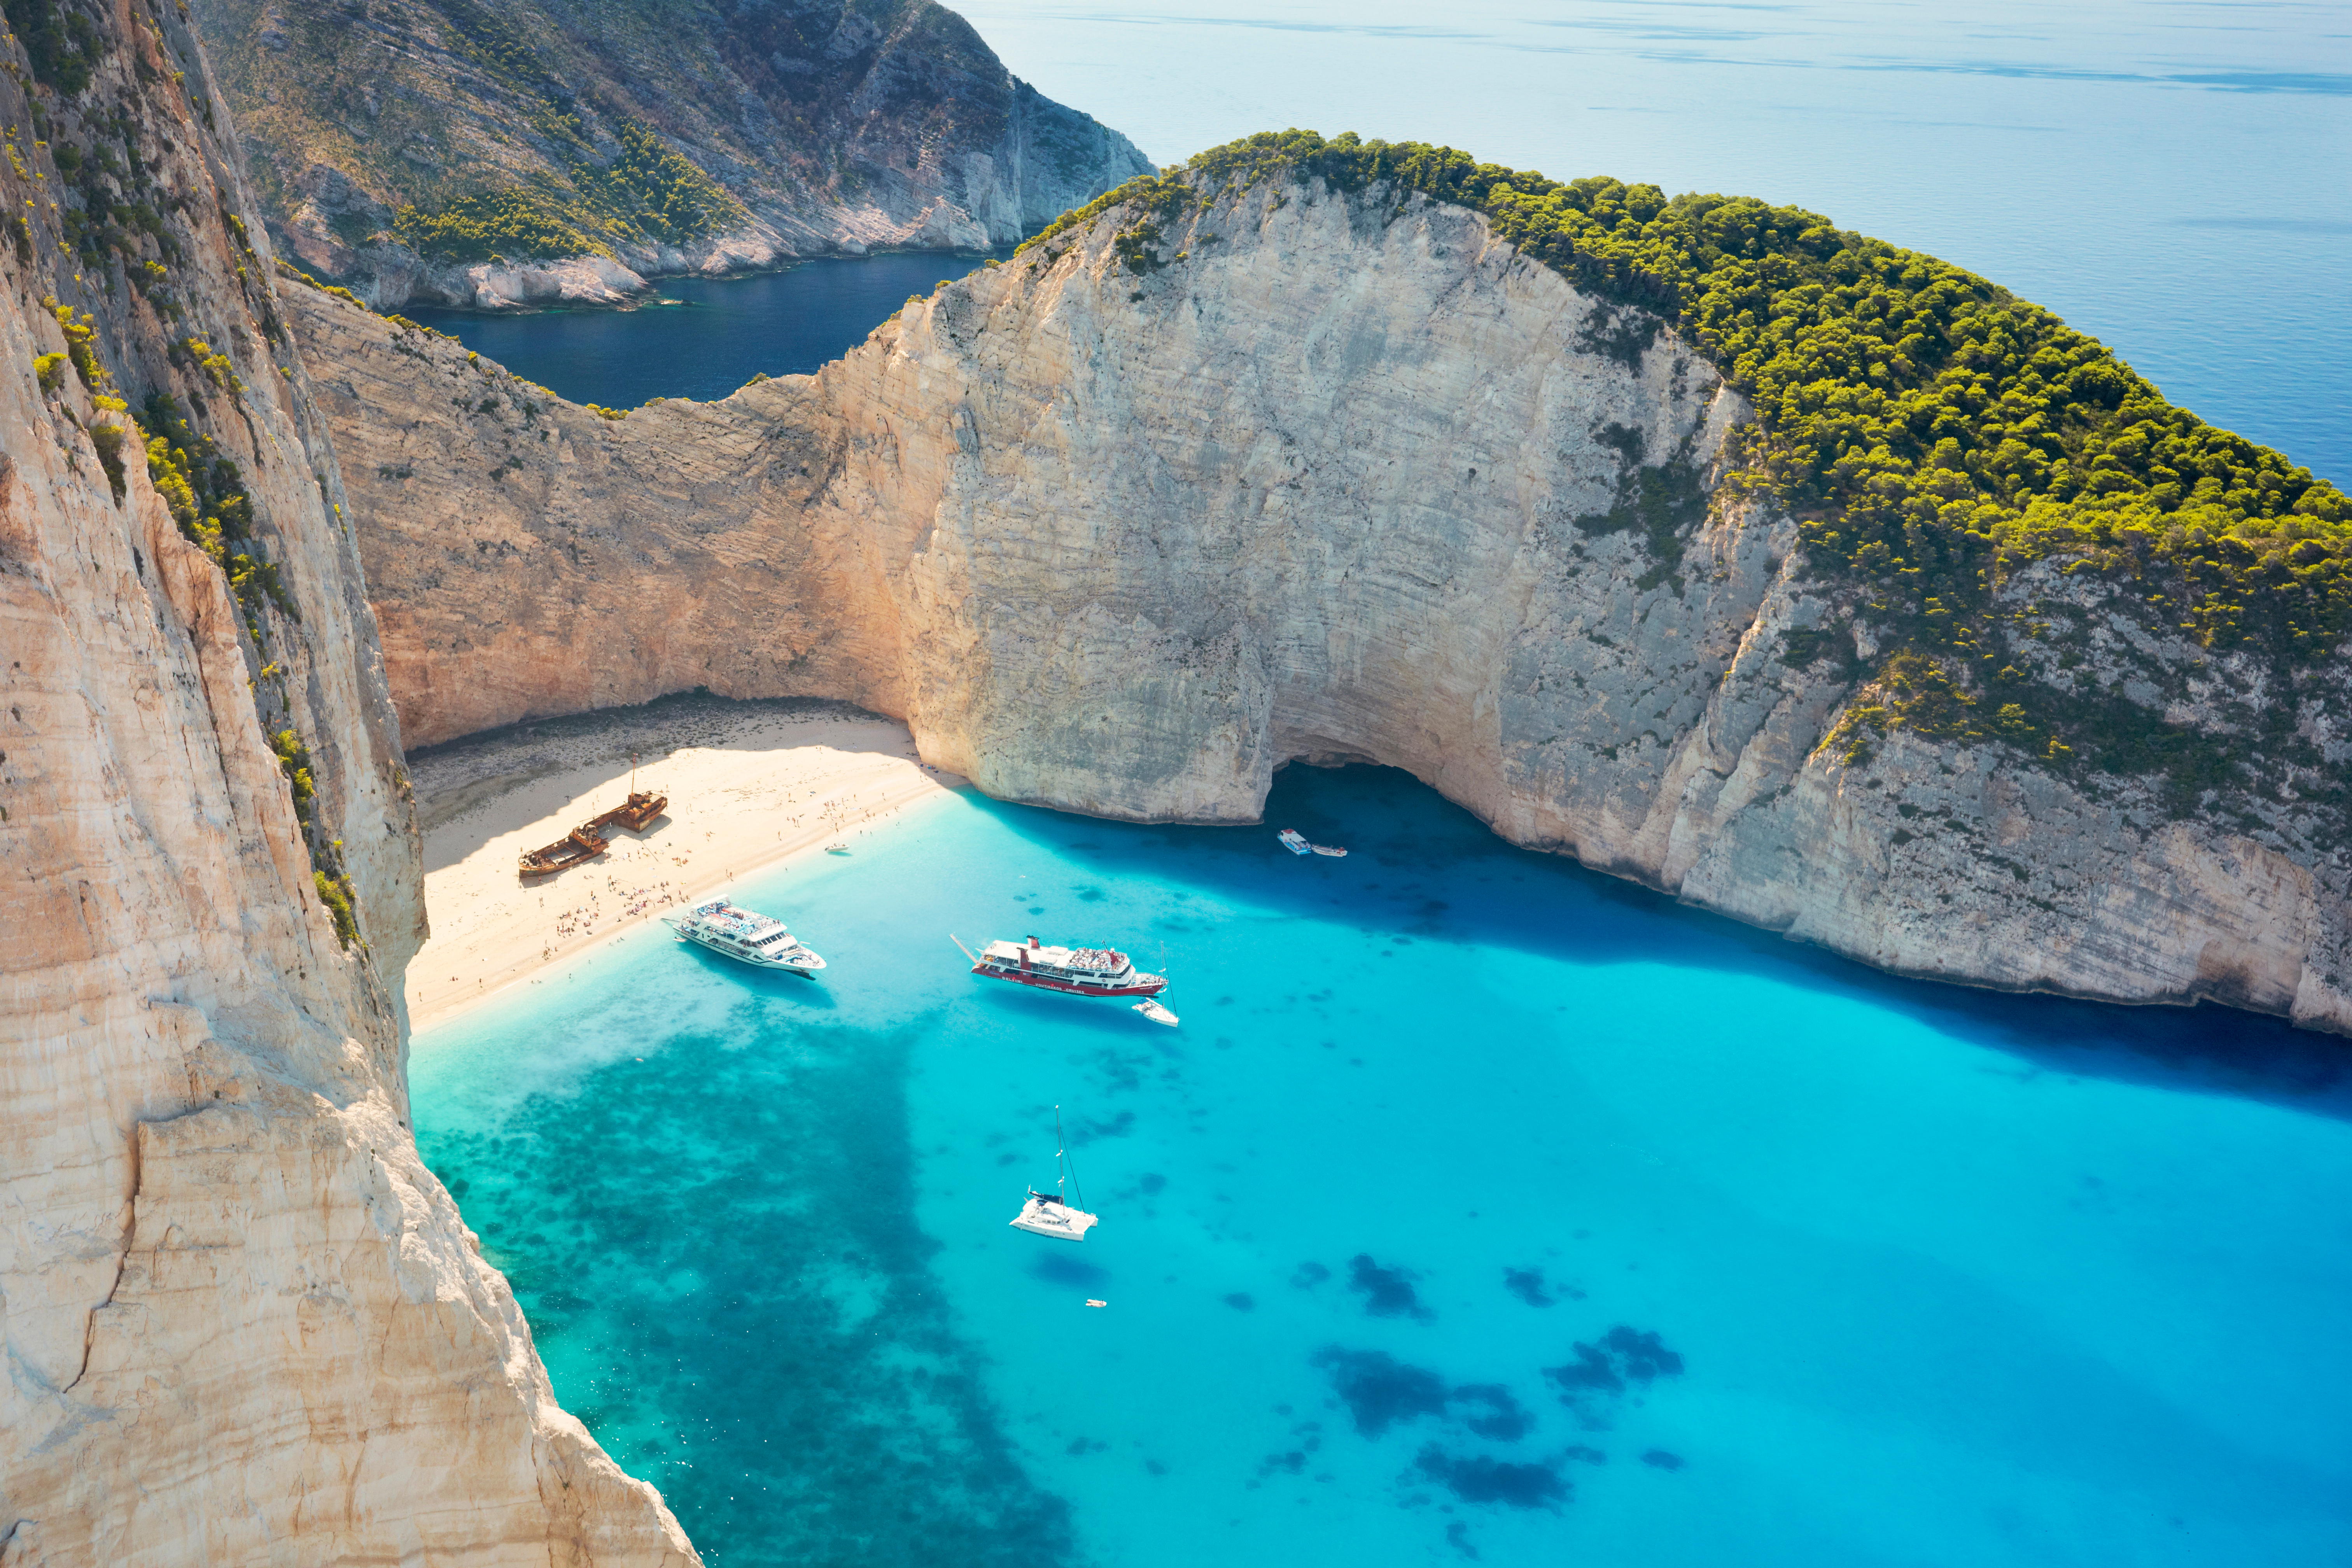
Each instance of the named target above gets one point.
<point>750,784</point>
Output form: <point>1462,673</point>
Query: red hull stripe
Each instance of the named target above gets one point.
<point>1041,982</point>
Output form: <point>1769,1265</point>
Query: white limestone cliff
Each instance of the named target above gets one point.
<point>243,1324</point>
<point>1338,477</point>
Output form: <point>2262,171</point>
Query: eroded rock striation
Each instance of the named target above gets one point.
<point>495,156</point>
<point>243,1324</point>
<point>1126,525</point>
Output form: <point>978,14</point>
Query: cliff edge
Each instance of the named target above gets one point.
<point>551,150</point>
<point>242,1323</point>
<point>1235,469</point>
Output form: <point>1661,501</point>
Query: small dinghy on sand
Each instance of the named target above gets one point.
<point>1052,1213</point>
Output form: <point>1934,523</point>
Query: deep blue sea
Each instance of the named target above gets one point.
<point>1480,1209</point>
<point>2169,176</point>
<point>705,337</point>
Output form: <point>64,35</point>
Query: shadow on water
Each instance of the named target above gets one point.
<point>1408,846</point>
<point>803,991</point>
<point>714,1254</point>
<point>1099,1015</point>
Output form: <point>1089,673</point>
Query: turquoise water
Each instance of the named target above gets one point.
<point>1481,1207</point>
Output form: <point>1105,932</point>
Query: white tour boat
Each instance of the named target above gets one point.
<point>1074,970</point>
<point>1056,1214</point>
<point>746,936</point>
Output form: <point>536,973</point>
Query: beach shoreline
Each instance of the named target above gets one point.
<point>751,786</point>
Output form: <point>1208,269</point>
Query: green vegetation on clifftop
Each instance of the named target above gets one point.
<point>634,185</point>
<point>1932,433</point>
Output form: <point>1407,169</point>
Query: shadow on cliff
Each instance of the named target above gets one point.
<point>1412,853</point>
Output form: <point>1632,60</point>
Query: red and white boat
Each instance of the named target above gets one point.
<point>1078,971</point>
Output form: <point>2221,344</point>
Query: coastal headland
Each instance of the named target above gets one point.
<point>1286,458</point>
<point>750,785</point>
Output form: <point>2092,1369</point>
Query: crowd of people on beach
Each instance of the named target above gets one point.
<point>582,919</point>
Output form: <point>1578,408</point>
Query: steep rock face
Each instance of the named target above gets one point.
<point>1317,476</point>
<point>837,125</point>
<point>243,1324</point>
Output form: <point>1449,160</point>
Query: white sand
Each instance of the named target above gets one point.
<point>749,784</point>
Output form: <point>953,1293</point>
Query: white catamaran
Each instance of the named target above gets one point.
<point>1056,1212</point>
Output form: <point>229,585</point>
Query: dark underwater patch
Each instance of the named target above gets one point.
<point>1118,1126</point>
<point>1625,1360</point>
<point>1489,1410</point>
<point>1241,1302</point>
<point>808,1400</point>
<point>1381,1391</point>
<point>1592,1372</point>
<point>1658,1458</point>
<point>1061,1268</point>
<point>1528,1285</point>
<point>1309,1275</point>
<point>1641,1353</point>
<point>1476,1479</point>
<point>1387,1292</point>
<point>1291,1462</point>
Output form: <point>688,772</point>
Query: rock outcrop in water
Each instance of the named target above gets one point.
<point>1324,477</point>
<point>242,1323</point>
<point>567,150</point>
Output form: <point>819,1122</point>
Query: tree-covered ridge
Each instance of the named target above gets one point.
<point>1934,431</point>
<point>636,187</point>
<point>1933,436</point>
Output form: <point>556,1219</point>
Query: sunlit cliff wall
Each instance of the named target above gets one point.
<point>1334,476</point>
<point>243,1324</point>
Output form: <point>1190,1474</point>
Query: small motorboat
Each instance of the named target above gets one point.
<point>1331,849</point>
<point>1294,841</point>
<point>1152,1009</point>
<point>1055,1213</point>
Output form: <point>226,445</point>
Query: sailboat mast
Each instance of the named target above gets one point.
<point>1069,1169</point>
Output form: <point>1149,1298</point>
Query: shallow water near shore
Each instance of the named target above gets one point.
<point>1481,1205</point>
